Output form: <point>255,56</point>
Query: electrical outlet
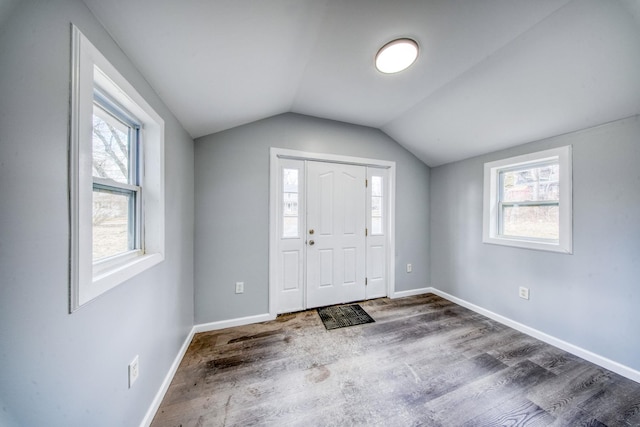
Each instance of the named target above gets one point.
<point>524,292</point>
<point>409,268</point>
<point>134,371</point>
<point>239,287</point>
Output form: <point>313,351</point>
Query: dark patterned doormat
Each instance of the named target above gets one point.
<point>341,316</point>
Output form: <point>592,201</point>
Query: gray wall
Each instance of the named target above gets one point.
<point>232,207</point>
<point>58,369</point>
<point>590,298</point>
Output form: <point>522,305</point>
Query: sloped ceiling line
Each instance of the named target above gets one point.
<point>491,74</point>
<point>472,68</point>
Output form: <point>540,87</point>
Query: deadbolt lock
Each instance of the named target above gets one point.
<point>311,231</point>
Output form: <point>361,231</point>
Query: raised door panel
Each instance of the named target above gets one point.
<point>291,270</point>
<point>324,204</point>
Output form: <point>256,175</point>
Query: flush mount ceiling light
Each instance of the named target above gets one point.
<point>396,56</point>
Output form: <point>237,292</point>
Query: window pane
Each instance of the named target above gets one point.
<point>290,207</point>
<point>290,180</point>
<point>111,216</point>
<point>531,184</point>
<point>290,215</point>
<point>376,186</point>
<point>376,206</point>
<point>111,146</point>
<point>541,222</point>
<point>290,225</point>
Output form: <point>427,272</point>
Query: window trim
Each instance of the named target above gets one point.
<point>90,72</point>
<point>492,201</point>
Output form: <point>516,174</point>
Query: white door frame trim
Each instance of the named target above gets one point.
<point>278,153</point>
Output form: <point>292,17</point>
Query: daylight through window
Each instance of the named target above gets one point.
<point>376,206</point>
<point>117,190</point>
<point>290,223</point>
<point>527,201</point>
<point>116,177</point>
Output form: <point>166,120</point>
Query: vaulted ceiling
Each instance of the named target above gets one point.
<point>491,73</point>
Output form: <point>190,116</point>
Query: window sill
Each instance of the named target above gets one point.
<point>115,274</point>
<point>528,244</point>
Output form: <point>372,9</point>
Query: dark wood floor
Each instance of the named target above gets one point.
<point>426,361</point>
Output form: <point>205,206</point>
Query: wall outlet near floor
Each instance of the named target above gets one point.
<point>134,370</point>
<point>409,268</point>
<point>524,292</point>
<point>239,287</point>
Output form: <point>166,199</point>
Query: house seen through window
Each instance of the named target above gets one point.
<point>528,201</point>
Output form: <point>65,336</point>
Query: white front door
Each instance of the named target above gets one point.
<point>344,263</point>
<point>335,233</point>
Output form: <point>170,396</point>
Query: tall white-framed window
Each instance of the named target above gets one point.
<point>528,201</point>
<point>117,182</point>
<point>116,177</point>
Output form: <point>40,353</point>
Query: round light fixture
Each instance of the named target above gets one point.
<point>396,56</point>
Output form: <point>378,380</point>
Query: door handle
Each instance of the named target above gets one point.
<point>311,243</point>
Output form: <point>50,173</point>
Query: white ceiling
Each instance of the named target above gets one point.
<point>491,73</point>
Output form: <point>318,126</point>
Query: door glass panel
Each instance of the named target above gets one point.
<point>290,215</point>
<point>376,206</point>
<point>376,186</point>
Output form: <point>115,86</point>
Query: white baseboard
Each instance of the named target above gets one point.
<point>151,412</point>
<point>213,326</point>
<point>410,293</point>
<point>609,364</point>
<point>203,327</point>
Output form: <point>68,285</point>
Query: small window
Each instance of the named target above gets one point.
<point>527,201</point>
<point>290,193</point>
<point>376,206</point>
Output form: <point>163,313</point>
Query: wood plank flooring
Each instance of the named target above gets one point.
<point>425,362</point>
